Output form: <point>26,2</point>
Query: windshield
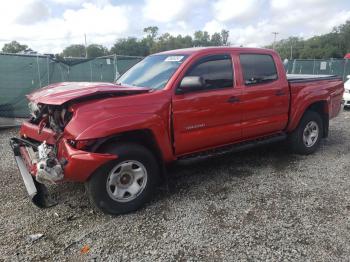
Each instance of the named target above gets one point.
<point>153,71</point>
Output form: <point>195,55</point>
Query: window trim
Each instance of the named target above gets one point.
<point>208,58</point>
<point>263,83</point>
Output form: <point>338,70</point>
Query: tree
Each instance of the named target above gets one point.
<point>95,50</point>
<point>201,38</point>
<point>152,43</point>
<point>14,47</point>
<point>332,45</point>
<point>152,32</point>
<point>130,46</point>
<point>224,37</point>
<point>74,51</point>
<point>216,39</point>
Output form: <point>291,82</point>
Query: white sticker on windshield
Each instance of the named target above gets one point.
<point>174,58</point>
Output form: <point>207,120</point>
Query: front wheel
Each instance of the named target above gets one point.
<point>306,138</point>
<point>125,184</point>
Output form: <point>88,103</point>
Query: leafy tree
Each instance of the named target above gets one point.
<point>332,45</point>
<point>152,32</point>
<point>224,37</point>
<point>14,47</point>
<point>216,39</point>
<point>95,50</point>
<point>201,38</point>
<point>130,46</point>
<point>152,43</point>
<point>74,51</point>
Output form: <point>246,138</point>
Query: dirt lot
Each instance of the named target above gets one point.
<point>263,204</point>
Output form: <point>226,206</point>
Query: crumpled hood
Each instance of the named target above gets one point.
<point>60,93</point>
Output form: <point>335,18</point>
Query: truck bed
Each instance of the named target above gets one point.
<point>309,78</point>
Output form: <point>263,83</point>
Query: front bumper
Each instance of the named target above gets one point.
<point>80,164</point>
<point>37,192</point>
<point>77,165</point>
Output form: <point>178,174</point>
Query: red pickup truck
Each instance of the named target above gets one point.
<point>118,138</point>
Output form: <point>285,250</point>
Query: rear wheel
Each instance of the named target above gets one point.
<point>125,184</point>
<point>306,138</point>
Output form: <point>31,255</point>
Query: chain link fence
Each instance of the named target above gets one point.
<point>22,74</point>
<point>340,67</point>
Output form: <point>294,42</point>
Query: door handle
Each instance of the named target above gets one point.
<point>280,93</point>
<point>233,99</point>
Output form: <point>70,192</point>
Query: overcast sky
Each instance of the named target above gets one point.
<point>49,26</point>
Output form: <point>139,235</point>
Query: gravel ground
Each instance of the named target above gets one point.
<point>262,204</point>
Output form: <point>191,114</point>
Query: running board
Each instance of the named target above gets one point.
<point>237,147</point>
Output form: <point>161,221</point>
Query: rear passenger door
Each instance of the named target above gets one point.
<point>265,98</point>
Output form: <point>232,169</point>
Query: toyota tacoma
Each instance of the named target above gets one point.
<point>118,138</point>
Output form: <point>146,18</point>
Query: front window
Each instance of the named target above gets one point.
<point>216,71</point>
<point>154,71</point>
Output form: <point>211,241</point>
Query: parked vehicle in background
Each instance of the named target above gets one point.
<point>346,96</point>
<point>119,138</point>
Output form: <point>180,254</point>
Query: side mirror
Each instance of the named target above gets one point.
<point>190,83</point>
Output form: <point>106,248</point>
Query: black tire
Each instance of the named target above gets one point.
<point>97,184</point>
<point>296,140</point>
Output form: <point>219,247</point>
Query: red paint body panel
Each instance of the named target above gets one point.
<point>305,94</point>
<point>180,123</point>
<point>263,112</point>
<point>59,93</point>
<point>32,131</point>
<point>80,164</point>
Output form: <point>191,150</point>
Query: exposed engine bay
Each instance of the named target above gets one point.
<point>47,167</point>
<point>54,117</point>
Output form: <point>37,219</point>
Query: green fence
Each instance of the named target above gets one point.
<point>21,74</point>
<point>340,67</point>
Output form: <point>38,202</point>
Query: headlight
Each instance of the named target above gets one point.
<point>33,109</point>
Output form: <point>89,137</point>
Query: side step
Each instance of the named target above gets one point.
<point>237,147</point>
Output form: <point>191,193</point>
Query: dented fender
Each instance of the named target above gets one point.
<point>125,123</point>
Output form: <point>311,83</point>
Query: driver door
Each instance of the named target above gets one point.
<point>211,116</point>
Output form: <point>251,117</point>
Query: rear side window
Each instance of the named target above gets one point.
<point>216,71</point>
<point>258,68</point>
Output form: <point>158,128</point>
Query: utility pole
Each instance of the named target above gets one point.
<point>274,39</point>
<point>86,55</point>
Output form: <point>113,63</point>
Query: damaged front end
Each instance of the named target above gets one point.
<point>28,162</point>
<point>46,156</point>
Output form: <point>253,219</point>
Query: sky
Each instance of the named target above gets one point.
<point>49,26</point>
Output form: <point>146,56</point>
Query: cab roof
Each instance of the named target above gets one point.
<point>195,50</point>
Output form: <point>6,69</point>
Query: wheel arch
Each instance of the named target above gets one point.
<point>144,137</point>
<point>322,108</point>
